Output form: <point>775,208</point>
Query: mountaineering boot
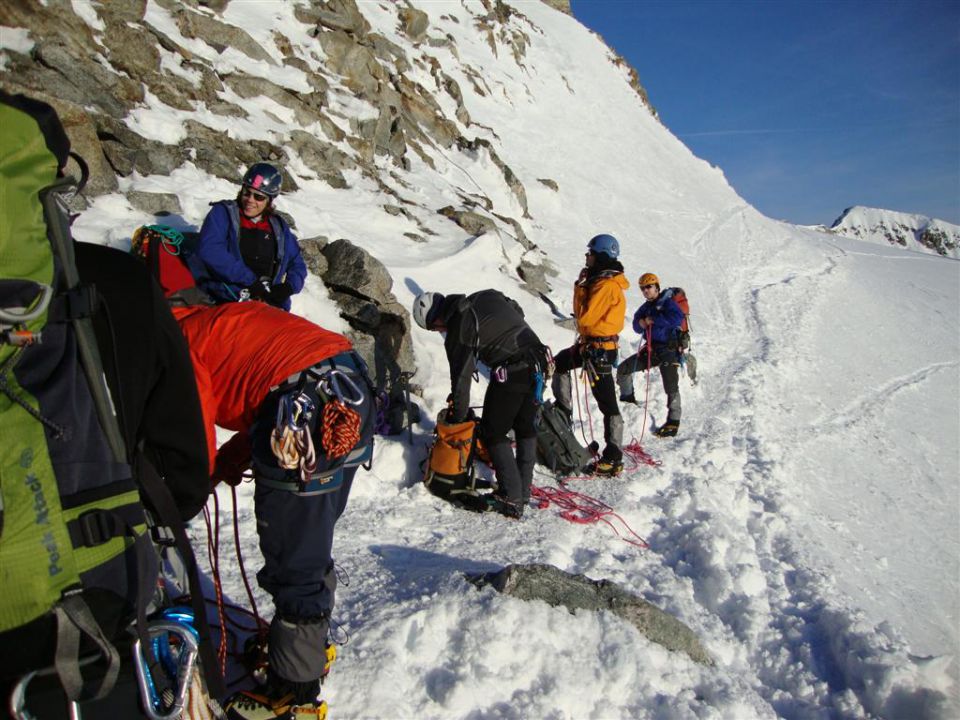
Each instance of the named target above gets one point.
<point>606,468</point>
<point>629,398</point>
<point>499,504</point>
<point>526,459</point>
<point>281,698</point>
<point>246,705</point>
<point>331,653</point>
<point>668,429</point>
<point>509,482</point>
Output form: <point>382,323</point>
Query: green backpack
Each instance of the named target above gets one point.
<point>78,567</point>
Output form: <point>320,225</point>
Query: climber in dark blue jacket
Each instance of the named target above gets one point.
<point>246,251</point>
<point>664,319</point>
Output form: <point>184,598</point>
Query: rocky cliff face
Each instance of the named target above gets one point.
<point>914,232</point>
<point>347,104</point>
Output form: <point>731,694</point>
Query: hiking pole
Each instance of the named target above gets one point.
<point>646,393</point>
<point>405,379</point>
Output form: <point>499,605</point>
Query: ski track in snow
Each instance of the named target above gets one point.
<point>865,406</point>
<point>756,583</point>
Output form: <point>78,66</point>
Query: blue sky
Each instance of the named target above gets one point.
<point>808,107</point>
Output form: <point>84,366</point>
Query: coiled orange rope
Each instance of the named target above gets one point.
<point>339,428</point>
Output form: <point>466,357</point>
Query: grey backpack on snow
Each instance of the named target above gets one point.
<point>557,447</point>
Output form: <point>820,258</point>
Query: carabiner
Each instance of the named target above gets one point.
<point>183,659</point>
<point>330,383</point>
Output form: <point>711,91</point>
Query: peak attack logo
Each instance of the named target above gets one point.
<point>41,512</point>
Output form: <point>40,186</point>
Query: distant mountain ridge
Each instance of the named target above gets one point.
<point>914,232</point>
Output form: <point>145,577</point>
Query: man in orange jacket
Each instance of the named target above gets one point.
<point>600,306</point>
<point>303,408</point>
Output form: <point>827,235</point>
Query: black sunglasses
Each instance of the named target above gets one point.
<point>259,197</point>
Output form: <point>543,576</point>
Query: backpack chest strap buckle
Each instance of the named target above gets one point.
<point>95,527</point>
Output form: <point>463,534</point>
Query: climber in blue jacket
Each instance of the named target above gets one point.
<point>664,318</point>
<point>246,251</point>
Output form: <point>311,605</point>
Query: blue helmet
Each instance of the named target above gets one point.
<point>263,177</point>
<point>606,244</point>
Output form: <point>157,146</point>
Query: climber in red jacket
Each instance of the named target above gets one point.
<point>303,408</point>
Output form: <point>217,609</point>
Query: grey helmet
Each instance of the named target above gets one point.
<point>422,305</point>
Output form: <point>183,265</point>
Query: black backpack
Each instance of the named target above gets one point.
<point>557,447</point>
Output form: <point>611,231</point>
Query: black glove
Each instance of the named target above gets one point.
<point>279,294</point>
<point>260,290</point>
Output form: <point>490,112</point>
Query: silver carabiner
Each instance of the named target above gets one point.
<point>331,385</point>
<point>186,661</point>
<point>9,315</point>
<point>18,696</point>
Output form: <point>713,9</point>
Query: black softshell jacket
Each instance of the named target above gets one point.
<point>488,327</point>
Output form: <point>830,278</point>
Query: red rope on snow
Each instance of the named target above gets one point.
<point>638,455</point>
<point>581,381</point>
<point>579,508</point>
<point>213,557</point>
<point>261,625</point>
<point>646,392</point>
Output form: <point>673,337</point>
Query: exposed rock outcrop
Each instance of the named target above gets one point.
<point>578,592</point>
<point>361,286</point>
<point>357,104</point>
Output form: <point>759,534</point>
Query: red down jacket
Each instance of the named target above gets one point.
<point>241,350</point>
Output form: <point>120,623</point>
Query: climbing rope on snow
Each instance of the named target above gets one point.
<point>638,455</point>
<point>582,509</point>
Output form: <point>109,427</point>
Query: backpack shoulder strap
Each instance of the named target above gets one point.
<point>278,225</point>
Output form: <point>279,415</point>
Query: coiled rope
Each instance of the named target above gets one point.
<point>339,428</point>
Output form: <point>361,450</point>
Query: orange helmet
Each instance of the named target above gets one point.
<point>649,279</point>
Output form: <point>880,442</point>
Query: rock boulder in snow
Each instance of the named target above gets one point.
<point>361,286</point>
<point>578,592</point>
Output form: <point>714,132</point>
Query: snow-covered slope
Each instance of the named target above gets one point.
<point>913,232</point>
<point>804,523</point>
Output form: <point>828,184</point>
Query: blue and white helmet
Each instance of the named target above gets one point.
<point>606,244</point>
<point>263,177</point>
